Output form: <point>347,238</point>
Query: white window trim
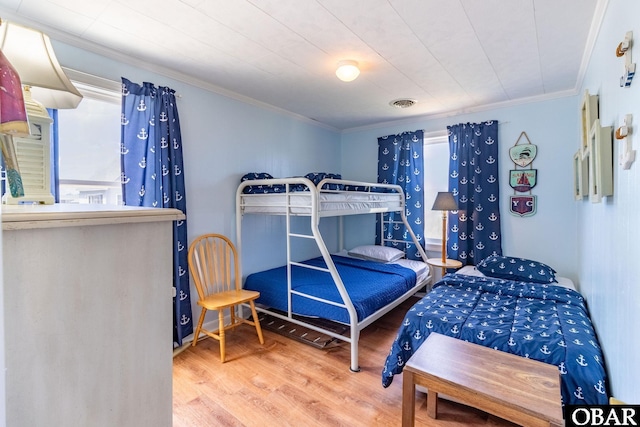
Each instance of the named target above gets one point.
<point>95,87</point>
<point>436,137</point>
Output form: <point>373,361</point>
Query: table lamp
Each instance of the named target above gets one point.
<point>45,86</point>
<point>13,122</point>
<point>444,202</point>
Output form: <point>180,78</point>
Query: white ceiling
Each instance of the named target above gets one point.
<point>450,56</point>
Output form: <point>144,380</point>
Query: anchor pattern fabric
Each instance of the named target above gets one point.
<point>152,175</point>
<point>474,230</point>
<point>512,268</point>
<point>543,322</point>
<point>314,177</point>
<point>400,162</point>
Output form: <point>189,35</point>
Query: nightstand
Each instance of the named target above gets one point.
<point>448,263</point>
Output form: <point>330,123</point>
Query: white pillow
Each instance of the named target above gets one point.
<point>376,253</point>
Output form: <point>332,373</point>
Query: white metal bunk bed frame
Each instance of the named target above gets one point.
<point>315,213</point>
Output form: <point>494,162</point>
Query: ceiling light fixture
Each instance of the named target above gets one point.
<point>347,70</point>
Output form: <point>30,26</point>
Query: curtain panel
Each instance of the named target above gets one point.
<point>401,162</point>
<point>153,175</point>
<point>474,230</point>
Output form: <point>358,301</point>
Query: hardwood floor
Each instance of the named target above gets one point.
<point>287,383</point>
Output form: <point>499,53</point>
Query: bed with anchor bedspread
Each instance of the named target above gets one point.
<point>539,321</point>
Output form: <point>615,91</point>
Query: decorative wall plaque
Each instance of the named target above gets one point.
<point>523,155</point>
<point>522,205</point>
<point>523,180</point>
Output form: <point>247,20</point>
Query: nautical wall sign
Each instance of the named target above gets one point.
<point>522,205</point>
<point>523,180</point>
<point>523,155</point>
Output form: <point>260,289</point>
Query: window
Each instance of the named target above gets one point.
<point>436,178</point>
<point>89,144</point>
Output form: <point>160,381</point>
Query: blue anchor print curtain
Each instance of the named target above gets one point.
<point>400,162</point>
<point>153,176</point>
<point>474,230</point>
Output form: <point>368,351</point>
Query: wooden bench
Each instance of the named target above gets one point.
<point>517,389</point>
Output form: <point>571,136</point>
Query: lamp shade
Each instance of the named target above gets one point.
<point>32,56</point>
<point>444,202</point>
<point>347,70</point>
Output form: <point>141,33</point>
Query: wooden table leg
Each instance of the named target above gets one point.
<point>432,404</point>
<point>408,399</point>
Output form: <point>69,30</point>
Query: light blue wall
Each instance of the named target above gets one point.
<point>550,234</point>
<point>223,139</point>
<point>609,232</point>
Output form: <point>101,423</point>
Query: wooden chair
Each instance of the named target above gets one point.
<point>213,263</point>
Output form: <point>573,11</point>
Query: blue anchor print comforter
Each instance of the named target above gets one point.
<point>543,322</point>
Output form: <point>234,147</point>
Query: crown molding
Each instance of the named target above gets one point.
<point>465,110</point>
<point>594,32</point>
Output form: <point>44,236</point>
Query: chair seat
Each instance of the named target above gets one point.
<point>227,299</point>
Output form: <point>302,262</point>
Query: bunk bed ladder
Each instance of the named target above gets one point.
<point>331,269</point>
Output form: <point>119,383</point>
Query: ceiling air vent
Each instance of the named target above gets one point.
<point>403,103</point>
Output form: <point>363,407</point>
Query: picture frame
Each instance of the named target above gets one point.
<point>588,114</point>
<point>600,162</point>
<point>580,175</point>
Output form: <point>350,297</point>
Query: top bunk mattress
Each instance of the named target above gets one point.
<point>300,203</point>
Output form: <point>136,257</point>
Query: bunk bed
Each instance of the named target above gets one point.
<point>338,287</point>
<point>546,320</point>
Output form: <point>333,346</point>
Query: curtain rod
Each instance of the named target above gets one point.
<point>437,131</point>
<point>97,82</point>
